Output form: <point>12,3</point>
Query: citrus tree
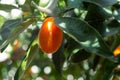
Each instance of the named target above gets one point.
<point>59,39</point>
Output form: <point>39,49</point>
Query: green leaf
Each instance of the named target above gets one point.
<point>27,59</point>
<point>105,71</point>
<point>59,58</point>
<point>112,28</point>
<point>86,36</point>
<point>97,59</point>
<point>96,17</point>
<point>7,28</point>
<point>118,15</point>
<point>102,3</point>
<point>6,7</point>
<point>27,7</point>
<point>75,3</point>
<point>81,55</point>
<point>2,21</point>
<point>96,13</point>
<point>18,70</point>
<point>108,69</point>
<point>31,54</point>
<point>16,33</point>
<point>114,23</point>
<point>70,49</point>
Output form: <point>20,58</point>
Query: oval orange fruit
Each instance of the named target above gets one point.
<point>50,36</point>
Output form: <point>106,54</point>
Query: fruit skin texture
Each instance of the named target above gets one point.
<point>50,36</point>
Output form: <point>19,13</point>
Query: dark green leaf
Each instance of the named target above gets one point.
<point>95,63</point>
<point>114,23</point>
<point>80,56</point>
<point>59,58</point>
<point>85,35</point>
<point>74,43</point>
<point>7,7</point>
<point>112,28</point>
<point>96,17</point>
<point>102,3</point>
<point>70,49</point>
<point>96,14</point>
<point>105,71</point>
<point>108,69</point>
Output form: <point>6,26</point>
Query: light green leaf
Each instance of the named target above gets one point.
<point>7,28</point>
<point>16,33</point>
<point>7,7</point>
<point>27,59</point>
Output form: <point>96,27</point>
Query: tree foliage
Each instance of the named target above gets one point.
<point>91,34</point>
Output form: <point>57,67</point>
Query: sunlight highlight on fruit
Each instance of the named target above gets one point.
<point>116,52</point>
<point>50,36</point>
